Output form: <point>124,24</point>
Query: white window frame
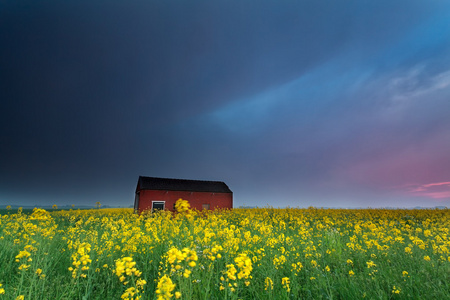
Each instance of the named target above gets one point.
<point>159,201</point>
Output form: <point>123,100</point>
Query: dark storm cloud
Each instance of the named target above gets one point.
<point>274,98</point>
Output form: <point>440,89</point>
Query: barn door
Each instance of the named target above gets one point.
<point>158,205</point>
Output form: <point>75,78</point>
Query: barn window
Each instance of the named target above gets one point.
<point>205,206</point>
<point>158,205</point>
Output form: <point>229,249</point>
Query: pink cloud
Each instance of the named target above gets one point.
<point>435,190</point>
<point>437,183</point>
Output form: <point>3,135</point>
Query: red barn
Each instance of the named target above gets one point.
<point>162,193</point>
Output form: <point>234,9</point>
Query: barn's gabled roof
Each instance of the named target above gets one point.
<point>169,184</point>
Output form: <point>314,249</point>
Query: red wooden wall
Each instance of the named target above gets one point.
<point>196,199</point>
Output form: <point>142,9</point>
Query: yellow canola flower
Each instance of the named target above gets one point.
<point>396,290</point>
<point>80,258</point>
<point>24,267</point>
<point>164,288</point>
<point>182,206</point>
<point>268,284</point>
<point>244,263</point>
<point>187,273</point>
<point>23,253</point>
<point>126,266</point>
<point>231,272</point>
<point>141,283</point>
<point>285,282</point>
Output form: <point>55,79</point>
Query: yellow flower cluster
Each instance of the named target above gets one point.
<point>396,290</point>
<point>27,229</point>
<point>182,263</point>
<point>230,274</point>
<point>370,264</point>
<point>22,254</point>
<point>39,273</point>
<point>24,257</point>
<point>130,293</point>
<point>213,252</point>
<point>285,283</point>
<point>244,264</point>
<point>268,284</point>
<point>182,206</point>
<point>40,215</point>
<point>126,266</point>
<point>182,260</point>
<point>279,261</point>
<point>127,272</point>
<point>81,260</point>
<point>165,288</point>
<point>296,268</point>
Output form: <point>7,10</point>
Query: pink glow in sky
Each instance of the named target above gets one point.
<point>435,190</point>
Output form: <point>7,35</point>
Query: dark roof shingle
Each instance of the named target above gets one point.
<point>169,184</point>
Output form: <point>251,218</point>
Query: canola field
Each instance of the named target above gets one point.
<point>262,253</point>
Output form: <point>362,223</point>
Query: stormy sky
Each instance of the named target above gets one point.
<point>290,103</point>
